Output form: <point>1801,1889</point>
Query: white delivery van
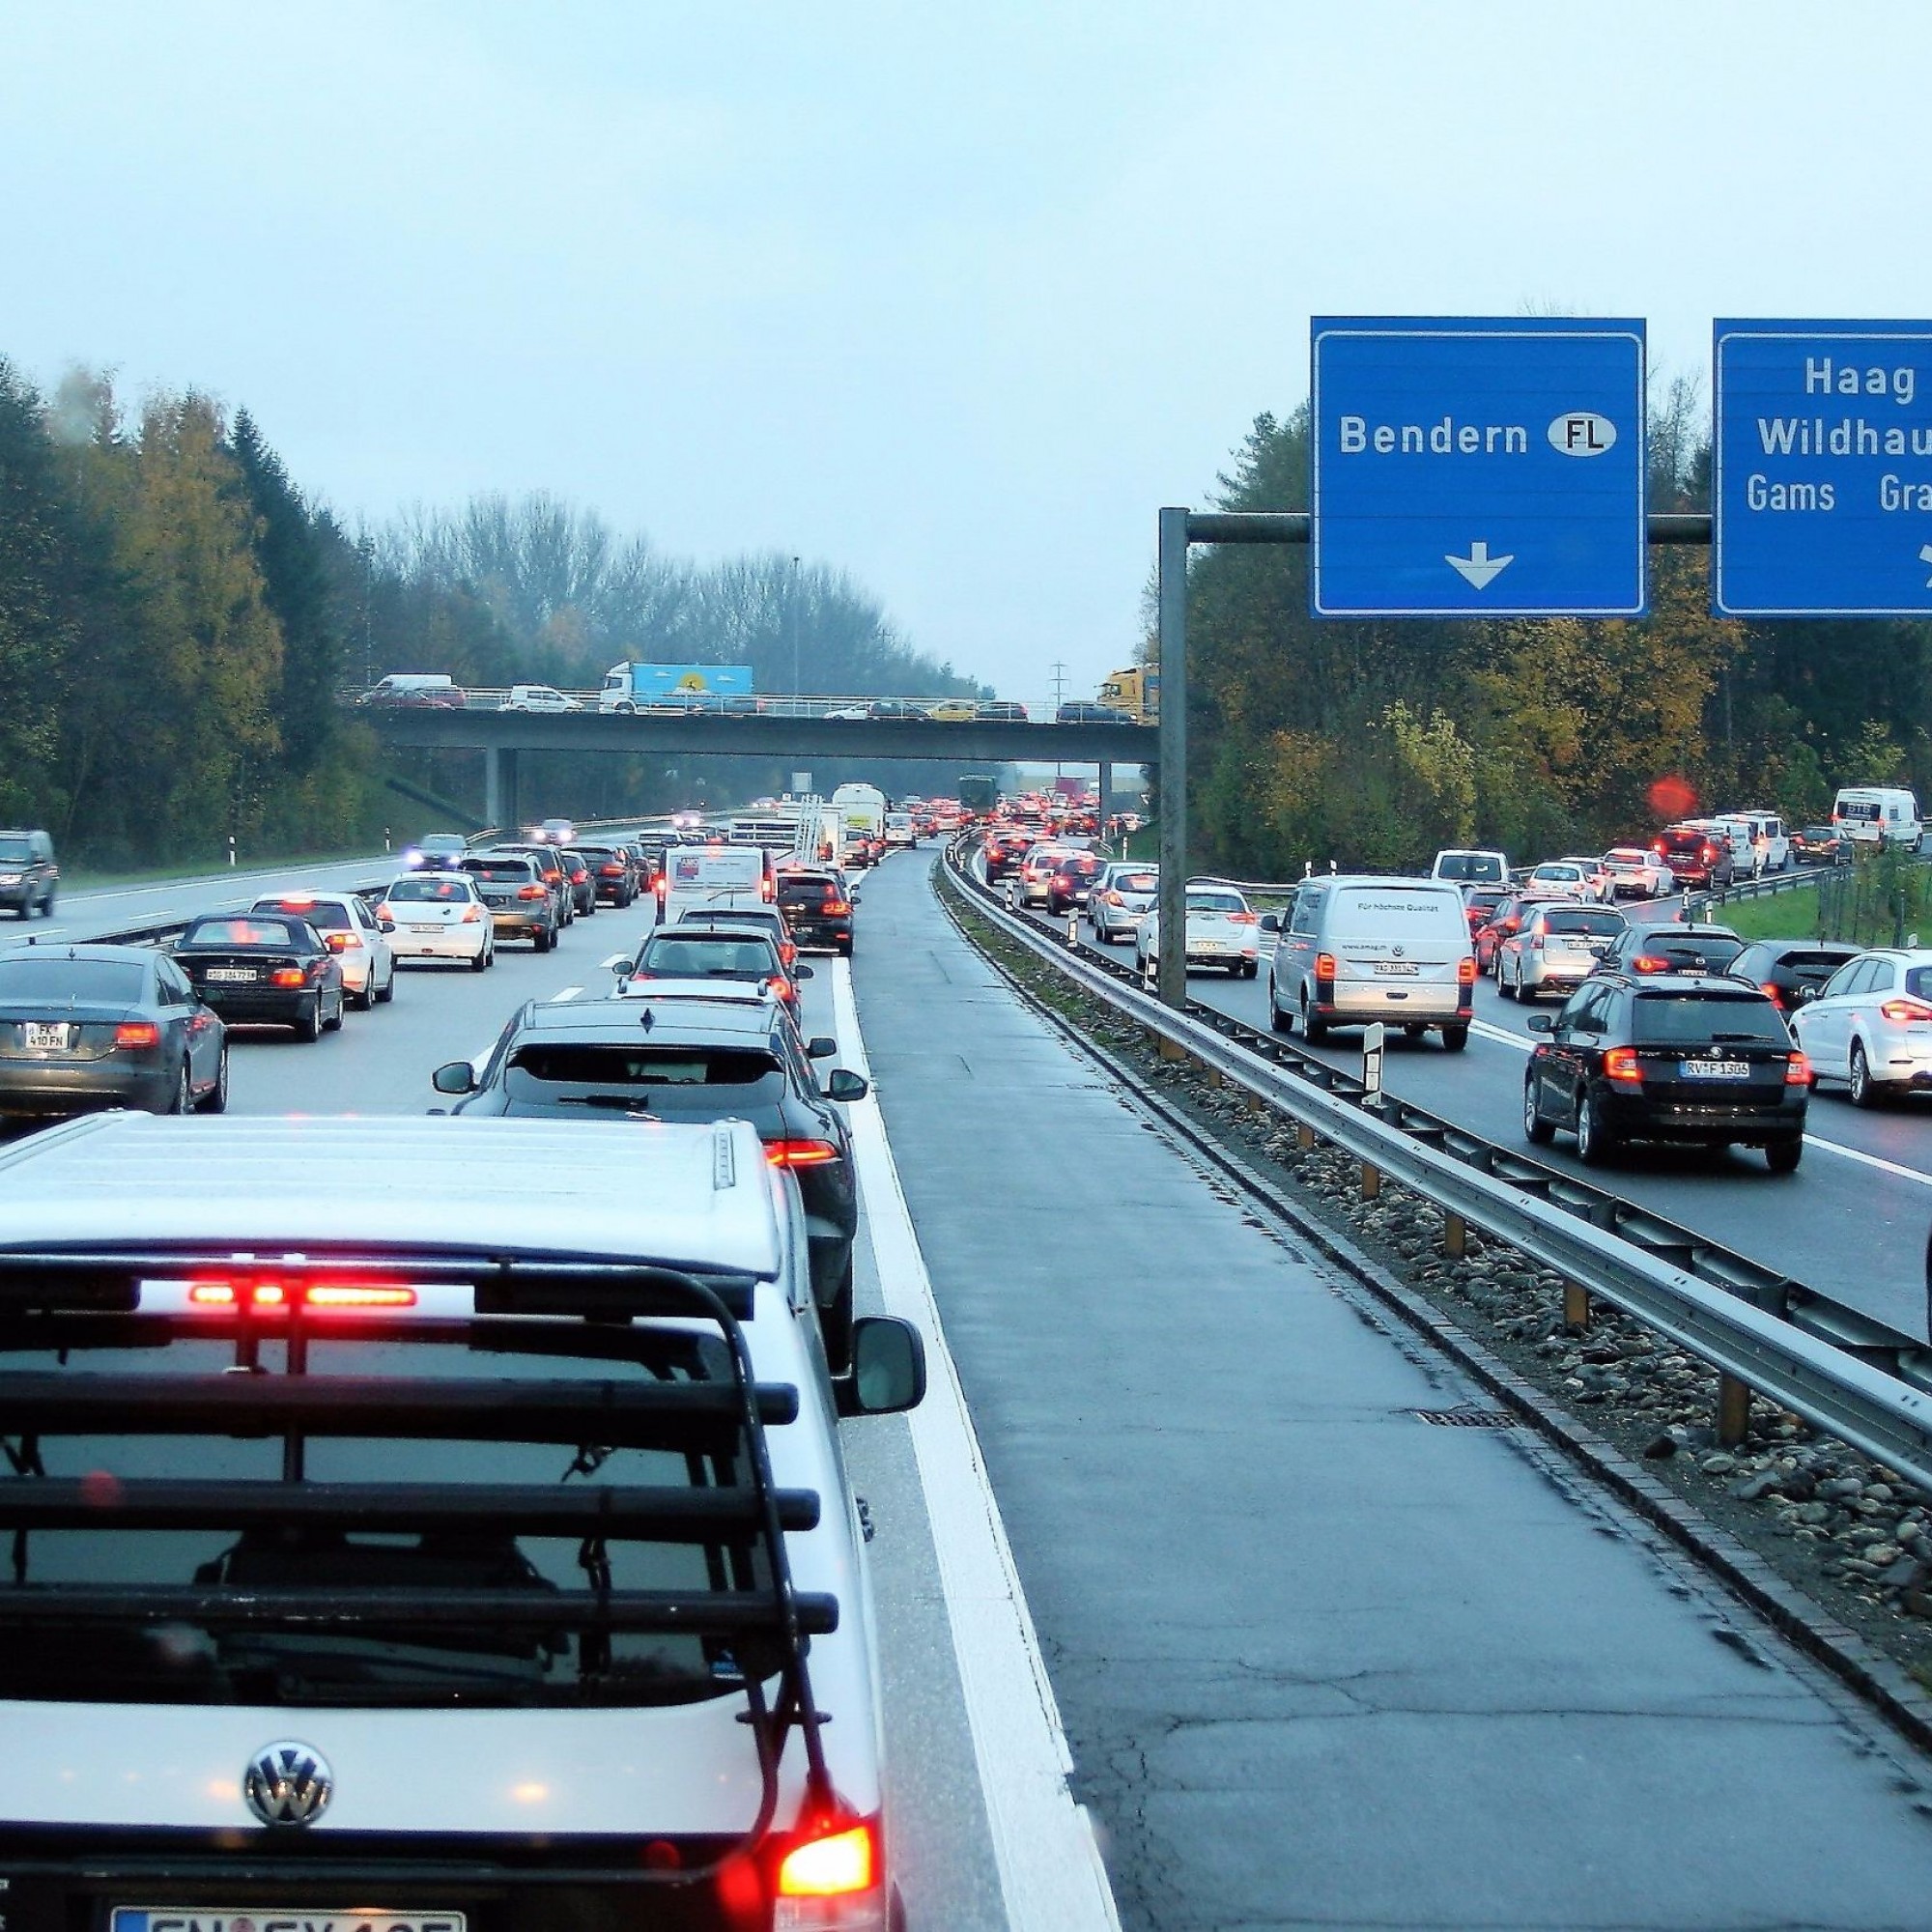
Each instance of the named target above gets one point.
<point>899,829</point>
<point>716,878</point>
<point>1758,842</point>
<point>1360,949</point>
<point>1877,815</point>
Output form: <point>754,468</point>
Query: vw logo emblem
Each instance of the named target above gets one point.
<point>288,1783</point>
<point>1398,951</point>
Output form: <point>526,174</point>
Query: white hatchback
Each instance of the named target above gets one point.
<point>1871,1026</point>
<point>1222,930</point>
<point>440,915</point>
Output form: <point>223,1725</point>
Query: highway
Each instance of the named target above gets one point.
<point>1311,1662</point>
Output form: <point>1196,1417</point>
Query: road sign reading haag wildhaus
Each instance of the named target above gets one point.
<point>1477,468</point>
<point>1821,491</point>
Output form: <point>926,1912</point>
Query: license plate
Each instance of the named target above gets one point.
<point>287,1918</point>
<point>231,976</point>
<point>1715,1069</point>
<point>1396,969</point>
<point>46,1038</point>
<point>425,928</point>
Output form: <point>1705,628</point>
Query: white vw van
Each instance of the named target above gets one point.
<point>1361,949</point>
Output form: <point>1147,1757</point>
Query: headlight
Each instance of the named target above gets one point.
<point>10,878</point>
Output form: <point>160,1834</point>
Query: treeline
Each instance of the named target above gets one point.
<point>179,618</point>
<point>1377,744</point>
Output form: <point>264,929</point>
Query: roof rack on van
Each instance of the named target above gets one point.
<point>465,1611</point>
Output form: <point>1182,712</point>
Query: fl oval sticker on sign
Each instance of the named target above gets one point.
<point>1581,432</point>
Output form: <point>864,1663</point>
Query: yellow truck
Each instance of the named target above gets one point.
<point>1136,692</point>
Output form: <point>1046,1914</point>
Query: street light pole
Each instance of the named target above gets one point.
<point>797,689</point>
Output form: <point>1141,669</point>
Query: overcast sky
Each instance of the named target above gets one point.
<point>952,296</point>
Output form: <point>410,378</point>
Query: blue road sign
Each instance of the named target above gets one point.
<point>1822,469</point>
<point>1477,468</point>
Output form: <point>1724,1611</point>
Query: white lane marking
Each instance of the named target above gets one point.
<point>568,993</point>
<point>1817,1140</point>
<point>1044,1843</point>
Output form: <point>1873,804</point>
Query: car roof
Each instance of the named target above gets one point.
<point>130,955</point>
<point>1684,929</point>
<point>298,896</point>
<point>1720,985</point>
<point>677,1014</point>
<point>694,1195</point>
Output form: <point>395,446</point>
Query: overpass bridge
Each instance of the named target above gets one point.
<point>501,735</point>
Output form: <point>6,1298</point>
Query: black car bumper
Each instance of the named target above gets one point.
<point>1712,1122</point>
<point>263,1006</point>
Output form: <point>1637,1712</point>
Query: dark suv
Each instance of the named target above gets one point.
<point>1698,855</point>
<point>732,1058</point>
<point>28,876</point>
<point>1671,1057</point>
<point>816,909</point>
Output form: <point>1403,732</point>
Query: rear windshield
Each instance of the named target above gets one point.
<point>806,892</point>
<point>1688,949</point>
<point>16,849</point>
<point>1816,965</point>
<point>1919,981</point>
<point>1598,924</point>
<point>1687,841</point>
<point>1858,807</point>
<point>324,917</point>
<point>1672,1019</point>
<point>1135,882</point>
<point>597,855</point>
<point>1468,865</point>
<point>673,958</point>
<point>249,931</point>
<point>1626,855</point>
<point>595,1064</point>
<point>1086,867</point>
<point>445,892</point>
<point>119,981</point>
<point>1216,902</point>
<point>500,870</point>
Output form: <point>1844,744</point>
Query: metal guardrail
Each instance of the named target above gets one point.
<point>1862,1381</point>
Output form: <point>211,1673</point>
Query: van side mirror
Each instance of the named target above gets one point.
<point>843,1085</point>
<point>822,1047</point>
<point>458,1077</point>
<point>888,1368</point>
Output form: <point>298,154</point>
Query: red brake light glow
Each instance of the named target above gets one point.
<point>1620,1063</point>
<point>1466,970</point>
<point>338,942</point>
<point>1798,1071</point>
<point>531,893</point>
<point>1903,1012</point>
<point>1649,962</point>
<point>277,1297</point>
<point>288,975</point>
<point>137,1033</point>
<point>1324,965</point>
<point>782,988</point>
<point>1242,919</point>
<point>1771,994</point>
<point>827,1867</point>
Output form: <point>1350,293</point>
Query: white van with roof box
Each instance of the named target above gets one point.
<point>1877,815</point>
<point>1360,949</point>
<point>385,1560</point>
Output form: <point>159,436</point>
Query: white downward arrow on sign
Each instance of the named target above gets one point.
<point>1479,566</point>
<point>1925,556</point>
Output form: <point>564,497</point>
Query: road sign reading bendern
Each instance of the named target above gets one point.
<point>1477,468</point>
<point>1822,469</point>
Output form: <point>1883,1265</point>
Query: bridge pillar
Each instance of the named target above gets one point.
<point>500,786</point>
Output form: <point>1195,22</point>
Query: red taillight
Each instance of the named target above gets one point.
<point>839,1864</point>
<point>800,1153</point>
<point>1112,898</point>
<point>580,877</point>
<point>1242,919</point>
<point>1620,1063</point>
<point>610,871</point>
<point>768,888</point>
<point>781,987</point>
<point>288,975</point>
<point>1710,855</point>
<point>1465,971</point>
<point>1324,965</point>
<point>385,910</point>
<point>1798,1071</point>
<point>836,908</point>
<point>137,1033</point>
<point>1902,1012</point>
<point>338,942</point>
<point>532,892</point>
<point>1771,994</point>
<point>658,884</point>
<point>787,953</point>
<point>1649,962</point>
<point>471,914</point>
<point>357,1294</point>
